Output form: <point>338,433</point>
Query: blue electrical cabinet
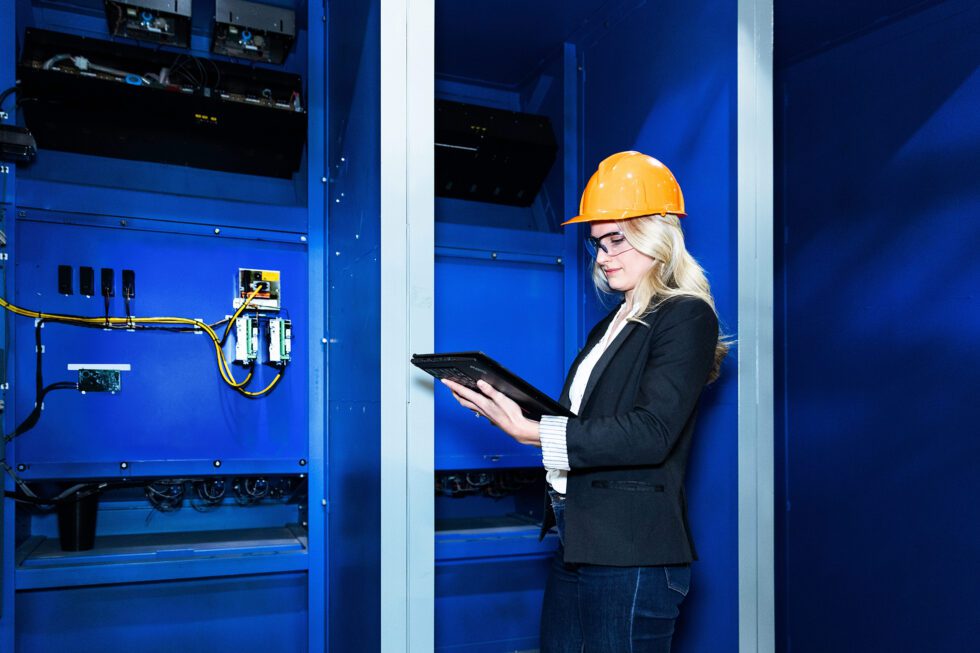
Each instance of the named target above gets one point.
<point>509,281</point>
<point>209,505</point>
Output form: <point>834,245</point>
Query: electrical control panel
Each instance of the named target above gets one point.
<point>113,99</point>
<point>253,31</point>
<point>160,21</point>
<point>265,281</point>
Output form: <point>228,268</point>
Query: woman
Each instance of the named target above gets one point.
<point>616,470</point>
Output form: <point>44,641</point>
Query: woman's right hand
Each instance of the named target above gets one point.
<point>502,411</point>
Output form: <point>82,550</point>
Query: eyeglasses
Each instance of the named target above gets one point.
<point>615,244</point>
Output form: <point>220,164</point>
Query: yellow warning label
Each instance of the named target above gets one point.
<point>270,275</point>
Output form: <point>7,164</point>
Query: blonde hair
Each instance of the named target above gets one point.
<point>675,274</point>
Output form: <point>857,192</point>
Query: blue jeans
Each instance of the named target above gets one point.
<point>600,609</point>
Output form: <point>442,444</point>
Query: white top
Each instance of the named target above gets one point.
<point>554,452</point>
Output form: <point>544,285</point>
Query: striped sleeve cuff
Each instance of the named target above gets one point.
<point>553,450</point>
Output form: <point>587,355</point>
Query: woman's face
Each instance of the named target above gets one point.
<point>624,269</point>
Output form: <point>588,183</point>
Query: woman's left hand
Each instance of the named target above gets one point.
<point>500,409</point>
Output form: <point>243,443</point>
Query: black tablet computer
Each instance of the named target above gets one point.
<point>466,368</point>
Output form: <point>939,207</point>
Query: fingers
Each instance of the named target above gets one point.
<point>475,400</point>
<point>466,404</point>
<point>488,390</point>
<point>464,392</point>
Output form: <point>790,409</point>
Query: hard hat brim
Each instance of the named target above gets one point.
<point>611,216</point>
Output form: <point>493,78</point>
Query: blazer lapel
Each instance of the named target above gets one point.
<point>604,361</point>
<point>597,333</point>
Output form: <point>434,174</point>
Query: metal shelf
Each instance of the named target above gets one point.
<point>500,537</point>
<point>115,559</point>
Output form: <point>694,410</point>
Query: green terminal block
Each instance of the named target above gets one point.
<point>246,339</point>
<point>280,340</point>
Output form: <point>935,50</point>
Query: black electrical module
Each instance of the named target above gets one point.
<point>491,155</point>
<point>236,118</point>
<point>160,21</point>
<point>17,145</point>
<point>108,283</point>
<point>64,280</point>
<point>128,284</point>
<point>253,31</point>
<point>86,281</point>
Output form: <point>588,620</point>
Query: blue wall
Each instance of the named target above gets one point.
<point>663,81</point>
<point>878,154</point>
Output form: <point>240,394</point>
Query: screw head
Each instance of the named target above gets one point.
<point>559,260</point>
<point>217,463</point>
<point>493,255</point>
<point>21,467</point>
<point>302,239</point>
<point>122,223</point>
<point>217,231</point>
<point>123,465</point>
<point>302,462</point>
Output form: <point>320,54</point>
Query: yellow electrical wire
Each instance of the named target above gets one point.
<point>264,390</point>
<point>224,369</point>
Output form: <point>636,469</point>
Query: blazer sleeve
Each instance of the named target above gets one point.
<point>680,359</point>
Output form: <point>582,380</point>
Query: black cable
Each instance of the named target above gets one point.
<point>8,92</point>
<point>83,492</point>
<point>31,420</point>
<point>217,70</point>
<point>165,496</point>
<point>204,72</point>
<point>39,350</point>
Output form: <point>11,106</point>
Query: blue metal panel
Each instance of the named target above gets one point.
<point>677,103</point>
<point>173,405</point>
<point>83,184</point>
<point>469,37</point>
<point>318,388</point>
<point>354,328</point>
<point>878,276</point>
<point>489,587</point>
<point>251,614</point>
<point>511,311</point>
<point>7,215</point>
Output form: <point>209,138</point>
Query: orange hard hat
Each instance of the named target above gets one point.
<point>629,185</point>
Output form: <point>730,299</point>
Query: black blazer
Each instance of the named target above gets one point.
<point>628,447</point>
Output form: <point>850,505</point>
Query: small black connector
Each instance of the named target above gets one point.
<point>64,280</point>
<point>128,284</point>
<point>86,281</point>
<point>108,282</point>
